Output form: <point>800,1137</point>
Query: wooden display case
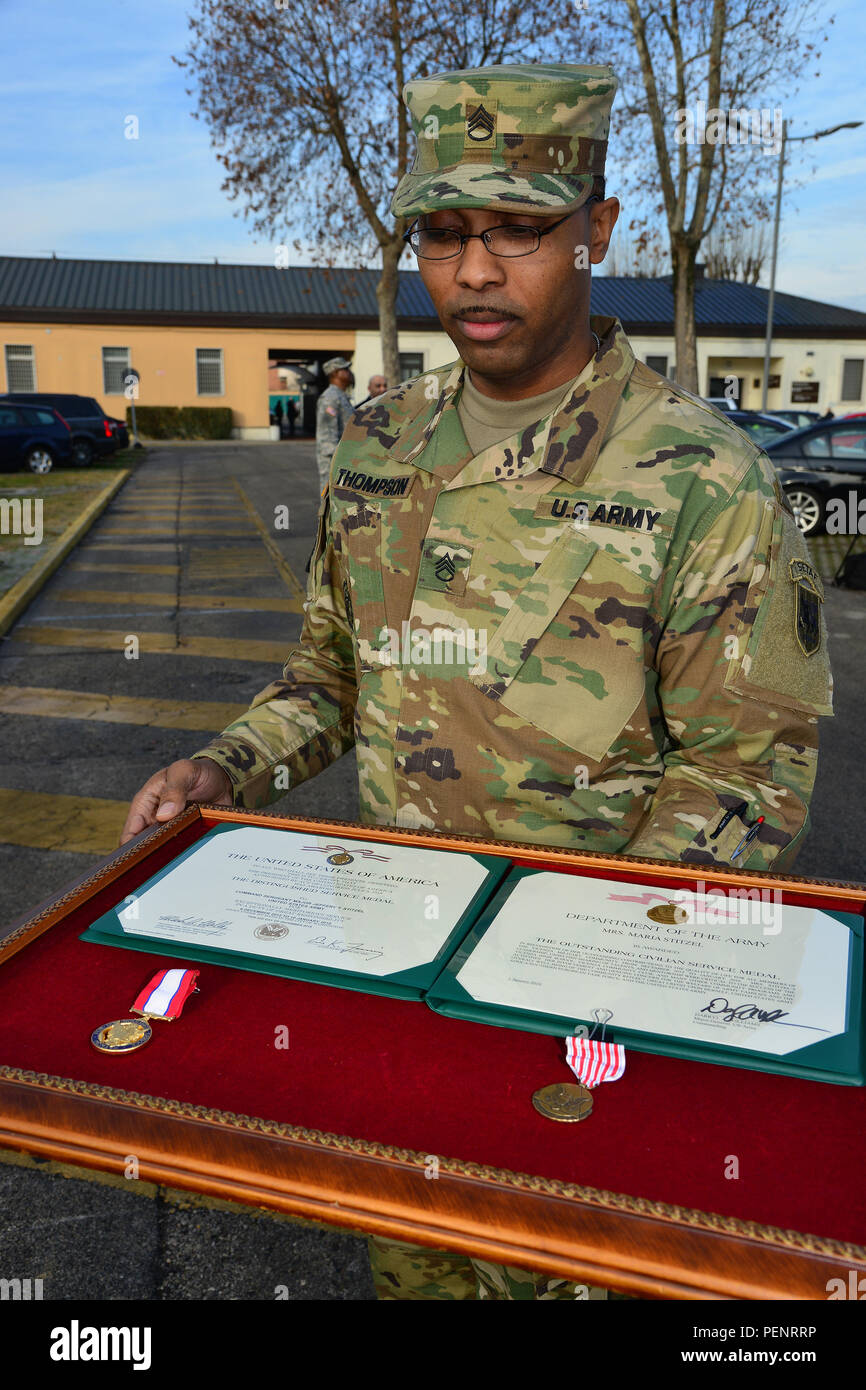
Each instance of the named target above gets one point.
<point>393,1120</point>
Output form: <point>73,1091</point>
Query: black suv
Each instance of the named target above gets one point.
<point>94,434</point>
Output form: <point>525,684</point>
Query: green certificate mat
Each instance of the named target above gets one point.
<point>747,982</point>
<point>359,914</point>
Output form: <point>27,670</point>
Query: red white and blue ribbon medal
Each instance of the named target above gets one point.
<point>162,998</point>
<point>593,1061</point>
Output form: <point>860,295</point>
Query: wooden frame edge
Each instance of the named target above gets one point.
<point>587,1235</point>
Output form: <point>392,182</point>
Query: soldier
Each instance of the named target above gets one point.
<point>333,409</point>
<point>639,646</point>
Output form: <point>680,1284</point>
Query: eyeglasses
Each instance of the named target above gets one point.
<point>509,239</point>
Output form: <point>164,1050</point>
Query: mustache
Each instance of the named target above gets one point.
<point>499,311</point>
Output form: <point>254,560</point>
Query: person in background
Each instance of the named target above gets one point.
<point>333,410</point>
<point>376,386</point>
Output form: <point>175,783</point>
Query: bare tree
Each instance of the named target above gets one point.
<point>698,118</point>
<point>736,253</point>
<point>304,107</point>
<point>643,255</point>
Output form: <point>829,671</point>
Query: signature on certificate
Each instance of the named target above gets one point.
<point>737,1013</point>
<point>202,922</point>
<point>368,952</point>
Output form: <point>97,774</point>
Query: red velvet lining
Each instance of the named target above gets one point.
<point>393,1071</point>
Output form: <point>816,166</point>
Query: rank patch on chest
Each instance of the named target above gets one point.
<point>444,567</point>
<point>373,484</point>
<point>595,513</point>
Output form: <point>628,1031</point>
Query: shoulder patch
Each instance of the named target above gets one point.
<point>807,615</point>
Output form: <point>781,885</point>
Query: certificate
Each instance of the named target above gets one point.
<point>704,971</point>
<point>308,905</point>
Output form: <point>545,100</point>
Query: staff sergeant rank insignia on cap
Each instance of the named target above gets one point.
<point>480,124</point>
<point>512,138</point>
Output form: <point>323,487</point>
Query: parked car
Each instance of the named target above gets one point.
<point>34,437</point>
<point>816,464</point>
<point>91,429</point>
<point>120,431</point>
<point>761,427</point>
<point>798,419</point>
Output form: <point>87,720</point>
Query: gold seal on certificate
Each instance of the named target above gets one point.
<point>668,914</point>
<point>565,1101</point>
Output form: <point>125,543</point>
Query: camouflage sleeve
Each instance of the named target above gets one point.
<point>743,675</point>
<point>329,427</point>
<point>304,721</point>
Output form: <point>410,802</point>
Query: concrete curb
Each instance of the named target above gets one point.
<point>21,594</point>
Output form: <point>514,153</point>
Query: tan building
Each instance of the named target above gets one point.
<point>215,334</point>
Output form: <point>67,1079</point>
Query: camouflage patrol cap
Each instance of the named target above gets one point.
<point>336,364</point>
<point>529,137</point>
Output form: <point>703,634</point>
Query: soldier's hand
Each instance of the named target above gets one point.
<point>167,792</point>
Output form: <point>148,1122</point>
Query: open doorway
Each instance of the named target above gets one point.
<point>292,392</point>
<point>296,376</point>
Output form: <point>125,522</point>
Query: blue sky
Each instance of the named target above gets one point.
<point>70,73</point>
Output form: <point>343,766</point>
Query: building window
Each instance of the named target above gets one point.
<point>658,364</point>
<point>209,371</point>
<point>411,364</point>
<point>20,368</point>
<point>115,365</point>
<point>852,379</point>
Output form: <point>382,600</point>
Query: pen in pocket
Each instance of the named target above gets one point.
<point>729,816</point>
<point>748,837</point>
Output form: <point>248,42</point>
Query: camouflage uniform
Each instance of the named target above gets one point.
<point>601,632</point>
<point>403,1271</point>
<point>333,410</point>
<point>655,650</point>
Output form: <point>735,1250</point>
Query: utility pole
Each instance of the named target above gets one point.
<point>771,299</point>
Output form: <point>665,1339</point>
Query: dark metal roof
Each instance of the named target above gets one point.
<point>720,305</point>
<point>164,292</point>
<point>159,291</point>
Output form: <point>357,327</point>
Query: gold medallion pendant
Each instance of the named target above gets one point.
<point>123,1035</point>
<point>163,997</point>
<point>564,1101</point>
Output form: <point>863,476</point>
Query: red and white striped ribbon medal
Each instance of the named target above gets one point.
<point>592,1062</point>
<point>162,998</point>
